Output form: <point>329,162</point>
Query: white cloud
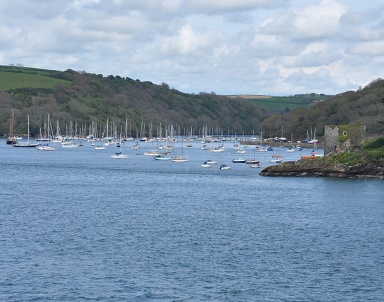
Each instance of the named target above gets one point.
<point>319,21</point>
<point>370,48</point>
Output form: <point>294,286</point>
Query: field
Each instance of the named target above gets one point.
<point>13,77</point>
<point>284,102</point>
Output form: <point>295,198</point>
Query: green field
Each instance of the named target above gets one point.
<point>12,77</point>
<point>285,102</point>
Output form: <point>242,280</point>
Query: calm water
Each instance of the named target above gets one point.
<point>77,225</point>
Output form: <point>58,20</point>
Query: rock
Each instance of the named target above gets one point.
<point>324,168</point>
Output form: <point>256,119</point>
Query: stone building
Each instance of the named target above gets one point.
<point>343,137</point>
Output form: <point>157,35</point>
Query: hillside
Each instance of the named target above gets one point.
<point>281,104</point>
<point>80,99</point>
<point>365,106</point>
<point>14,77</point>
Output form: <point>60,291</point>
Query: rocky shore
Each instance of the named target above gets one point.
<point>325,168</point>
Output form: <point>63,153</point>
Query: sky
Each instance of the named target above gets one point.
<point>259,47</point>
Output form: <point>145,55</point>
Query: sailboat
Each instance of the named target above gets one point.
<point>253,161</point>
<point>27,144</point>
<point>11,138</point>
<point>291,148</point>
<point>181,158</point>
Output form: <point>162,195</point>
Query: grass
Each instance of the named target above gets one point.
<point>285,102</point>
<point>21,77</point>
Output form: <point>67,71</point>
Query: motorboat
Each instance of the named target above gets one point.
<point>118,155</point>
<point>239,160</point>
<point>210,162</point>
<point>45,148</point>
<point>162,157</point>
<point>224,167</point>
<point>205,165</point>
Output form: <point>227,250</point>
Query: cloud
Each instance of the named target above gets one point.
<point>319,21</point>
<point>242,46</point>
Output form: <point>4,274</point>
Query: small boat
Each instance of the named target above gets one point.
<point>135,147</point>
<point>240,151</point>
<point>153,153</point>
<point>275,160</point>
<point>99,147</point>
<point>69,144</point>
<point>162,157</point>
<point>218,149</point>
<point>45,148</point>
<point>206,165</point>
<point>261,149</point>
<point>252,162</point>
<point>224,167</point>
<point>239,160</point>
<point>118,155</point>
<point>255,166</point>
<point>179,159</point>
<point>211,162</point>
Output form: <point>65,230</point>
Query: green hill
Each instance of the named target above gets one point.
<point>12,77</point>
<point>281,104</point>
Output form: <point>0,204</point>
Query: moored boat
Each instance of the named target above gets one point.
<point>45,148</point>
<point>162,157</point>
<point>206,165</point>
<point>211,162</point>
<point>179,159</point>
<point>224,167</point>
<point>28,144</point>
<point>118,155</point>
<point>239,160</point>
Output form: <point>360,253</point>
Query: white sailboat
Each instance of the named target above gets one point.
<point>181,158</point>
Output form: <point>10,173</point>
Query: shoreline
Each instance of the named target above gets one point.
<point>305,169</point>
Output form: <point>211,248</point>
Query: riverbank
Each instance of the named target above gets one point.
<point>325,168</point>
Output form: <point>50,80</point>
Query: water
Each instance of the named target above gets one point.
<point>76,225</point>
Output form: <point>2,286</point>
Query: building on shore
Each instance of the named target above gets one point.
<point>343,137</point>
